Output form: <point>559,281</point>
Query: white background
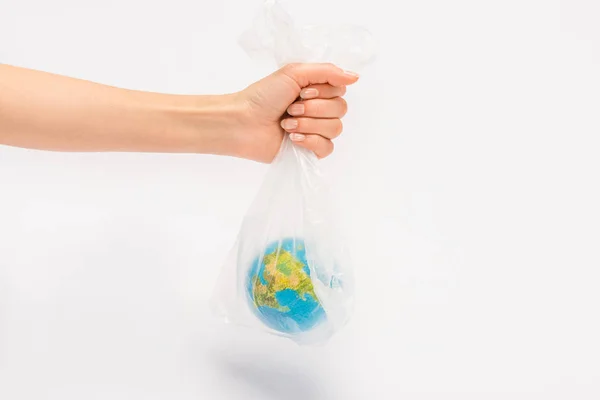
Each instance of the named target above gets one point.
<point>468,174</point>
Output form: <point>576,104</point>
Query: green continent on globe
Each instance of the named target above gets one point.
<point>282,271</point>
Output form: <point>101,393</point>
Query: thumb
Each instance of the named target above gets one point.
<point>310,74</point>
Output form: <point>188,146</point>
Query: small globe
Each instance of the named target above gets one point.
<point>280,290</point>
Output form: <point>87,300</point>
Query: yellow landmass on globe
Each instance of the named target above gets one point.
<point>282,271</point>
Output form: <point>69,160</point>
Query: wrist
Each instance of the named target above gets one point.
<point>205,124</point>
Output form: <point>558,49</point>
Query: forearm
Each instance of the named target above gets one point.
<point>50,112</point>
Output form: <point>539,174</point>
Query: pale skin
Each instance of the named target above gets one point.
<point>43,111</point>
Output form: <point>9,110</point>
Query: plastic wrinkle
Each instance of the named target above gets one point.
<point>289,272</point>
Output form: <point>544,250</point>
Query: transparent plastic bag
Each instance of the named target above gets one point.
<point>289,272</point>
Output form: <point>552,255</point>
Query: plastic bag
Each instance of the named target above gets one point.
<point>289,272</point>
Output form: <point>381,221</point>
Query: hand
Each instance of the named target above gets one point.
<point>51,112</point>
<point>301,99</point>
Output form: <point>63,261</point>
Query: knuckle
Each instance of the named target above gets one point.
<point>291,70</point>
<point>290,67</point>
<point>343,106</point>
<point>329,148</point>
<point>338,127</point>
<point>315,108</point>
<point>324,148</point>
<point>312,143</point>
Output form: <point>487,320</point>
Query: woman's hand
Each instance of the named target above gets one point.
<point>51,112</point>
<point>302,99</point>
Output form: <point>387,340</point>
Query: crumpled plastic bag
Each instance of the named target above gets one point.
<point>289,272</point>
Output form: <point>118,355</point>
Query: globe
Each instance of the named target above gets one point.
<point>280,289</point>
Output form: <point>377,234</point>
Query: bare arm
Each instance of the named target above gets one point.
<point>51,112</point>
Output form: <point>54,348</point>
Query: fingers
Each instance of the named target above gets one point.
<point>321,146</point>
<point>328,128</point>
<point>323,91</point>
<point>316,118</point>
<point>319,108</point>
<point>310,74</point>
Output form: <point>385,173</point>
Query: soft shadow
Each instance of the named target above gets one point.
<point>270,377</point>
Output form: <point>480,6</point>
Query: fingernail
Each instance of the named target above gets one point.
<point>296,109</point>
<point>297,137</point>
<point>309,93</point>
<point>352,74</point>
<point>288,124</point>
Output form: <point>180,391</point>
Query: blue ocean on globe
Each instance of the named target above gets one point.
<point>280,290</point>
